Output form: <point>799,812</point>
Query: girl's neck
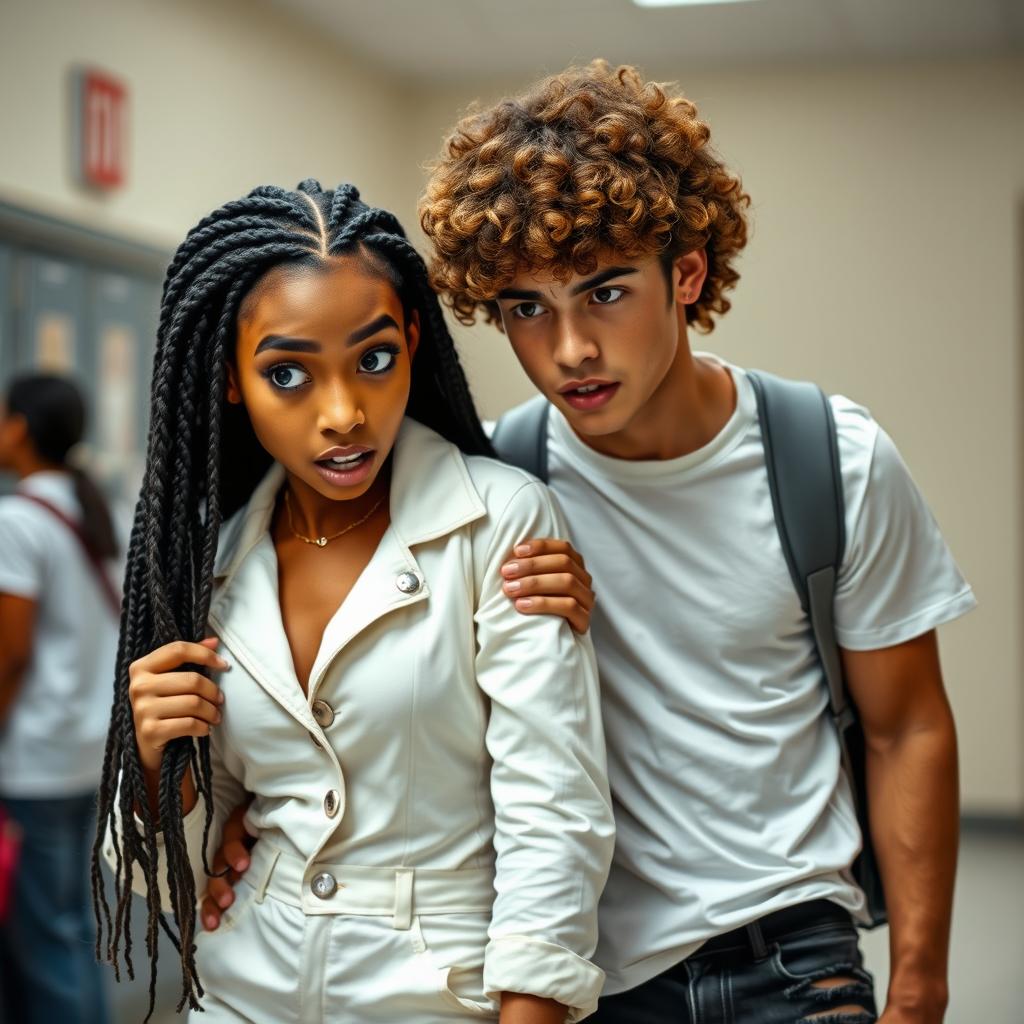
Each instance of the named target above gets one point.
<point>312,515</point>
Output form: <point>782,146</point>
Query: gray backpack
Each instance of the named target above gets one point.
<point>802,459</point>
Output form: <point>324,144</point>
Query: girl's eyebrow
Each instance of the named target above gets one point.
<point>370,329</point>
<point>283,344</point>
<point>287,344</point>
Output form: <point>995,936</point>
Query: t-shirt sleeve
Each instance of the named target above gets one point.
<point>21,555</point>
<point>898,578</point>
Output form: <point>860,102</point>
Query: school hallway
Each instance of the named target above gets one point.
<point>986,958</point>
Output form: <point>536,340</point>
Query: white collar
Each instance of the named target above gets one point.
<point>431,495</point>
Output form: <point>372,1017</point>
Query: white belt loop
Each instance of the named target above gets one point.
<point>264,881</point>
<point>403,898</point>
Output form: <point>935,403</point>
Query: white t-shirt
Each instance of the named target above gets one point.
<point>52,743</point>
<point>729,799</point>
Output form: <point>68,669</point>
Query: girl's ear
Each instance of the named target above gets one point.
<point>233,392</point>
<point>412,333</point>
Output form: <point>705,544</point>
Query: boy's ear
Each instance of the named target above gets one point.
<point>233,393</point>
<point>688,274</point>
<point>412,334</point>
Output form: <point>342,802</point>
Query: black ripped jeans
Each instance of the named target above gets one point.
<point>779,970</point>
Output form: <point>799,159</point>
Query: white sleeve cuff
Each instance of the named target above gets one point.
<point>194,822</point>
<point>519,963</point>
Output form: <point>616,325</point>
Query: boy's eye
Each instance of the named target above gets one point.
<point>606,296</point>
<point>287,378</point>
<point>378,360</point>
<point>528,310</point>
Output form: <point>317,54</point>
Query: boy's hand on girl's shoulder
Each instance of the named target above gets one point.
<point>549,577</point>
<point>229,864</point>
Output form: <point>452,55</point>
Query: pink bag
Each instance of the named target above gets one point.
<point>10,847</point>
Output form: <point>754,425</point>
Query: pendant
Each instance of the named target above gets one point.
<point>321,542</point>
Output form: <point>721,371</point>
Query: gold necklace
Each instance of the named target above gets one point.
<point>321,542</point>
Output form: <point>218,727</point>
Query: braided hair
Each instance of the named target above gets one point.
<point>189,490</point>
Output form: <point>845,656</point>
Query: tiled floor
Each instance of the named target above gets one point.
<point>987,948</point>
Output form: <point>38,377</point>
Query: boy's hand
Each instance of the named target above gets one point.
<point>548,577</point>
<point>234,850</point>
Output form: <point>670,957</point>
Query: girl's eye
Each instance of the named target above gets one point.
<point>606,296</point>
<point>287,378</point>
<point>378,360</point>
<point>528,310</point>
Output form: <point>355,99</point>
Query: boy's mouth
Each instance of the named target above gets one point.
<point>589,394</point>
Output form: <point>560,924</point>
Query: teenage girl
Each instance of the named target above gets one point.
<point>314,615</point>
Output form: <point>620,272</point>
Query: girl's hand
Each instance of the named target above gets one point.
<point>548,577</point>
<point>168,703</point>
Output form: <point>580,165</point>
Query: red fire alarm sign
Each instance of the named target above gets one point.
<point>100,128</point>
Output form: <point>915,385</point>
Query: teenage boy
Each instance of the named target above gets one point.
<point>590,221</point>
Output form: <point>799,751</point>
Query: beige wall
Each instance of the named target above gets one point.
<point>224,96</point>
<point>886,264</point>
<point>885,261</point>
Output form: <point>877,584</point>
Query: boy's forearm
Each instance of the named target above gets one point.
<point>913,793</point>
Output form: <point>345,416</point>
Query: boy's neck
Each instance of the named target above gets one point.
<point>687,411</point>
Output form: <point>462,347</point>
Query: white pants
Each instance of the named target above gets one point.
<point>400,946</point>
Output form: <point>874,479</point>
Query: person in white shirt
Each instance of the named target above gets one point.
<point>591,221</point>
<point>314,615</point>
<point>58,635</point>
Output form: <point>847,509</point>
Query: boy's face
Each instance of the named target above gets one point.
<point>600,345</point>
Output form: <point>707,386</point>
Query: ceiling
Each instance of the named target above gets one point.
<point>438,40</point>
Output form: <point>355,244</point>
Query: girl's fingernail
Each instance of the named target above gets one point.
<point>224,664</point>
<point>220,696</point>
<point>210,921</point>
<point>524,602</point>
<point>511,586</point>
<point>241,864</point>
<point>510,568</point>
<point>522,549</point>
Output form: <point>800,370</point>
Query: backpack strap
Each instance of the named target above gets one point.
<point>521,437</point>
<point>95,562</point>
<point>802,457</point>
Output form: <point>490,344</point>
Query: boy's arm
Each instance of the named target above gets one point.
<point>913,793</point>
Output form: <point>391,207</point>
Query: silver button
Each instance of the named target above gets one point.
<point>408,583</point>
<point>324,886</point>
<point>331,803</point>
<point>323,713</point>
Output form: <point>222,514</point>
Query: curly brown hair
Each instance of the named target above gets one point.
<point>589,161</point>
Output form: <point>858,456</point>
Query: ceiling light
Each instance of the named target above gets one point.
<point>685,3</point>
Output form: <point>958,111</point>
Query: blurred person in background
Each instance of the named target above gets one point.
<point>58,637</point>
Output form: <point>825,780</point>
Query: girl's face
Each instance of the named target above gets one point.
<point>323,365</point>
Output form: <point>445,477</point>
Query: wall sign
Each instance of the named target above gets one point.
<point>100,128</point>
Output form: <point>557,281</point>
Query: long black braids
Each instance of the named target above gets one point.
<point>189,489</point>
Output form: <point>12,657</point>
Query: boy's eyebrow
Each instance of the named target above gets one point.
<point>519,293</point>
<point>598,279</point>
<point>286,344</point>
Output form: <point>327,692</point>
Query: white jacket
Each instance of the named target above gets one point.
<point>442,728</point>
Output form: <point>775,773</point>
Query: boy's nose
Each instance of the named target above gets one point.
<point>573,347</point>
